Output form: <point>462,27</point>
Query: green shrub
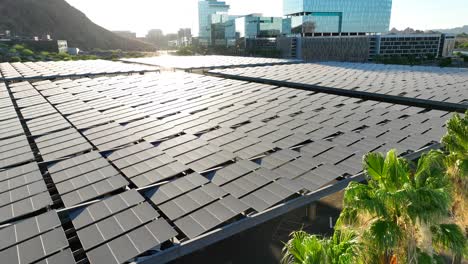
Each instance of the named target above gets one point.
<point>445,62</point>
<point>18,47</point>
<point>185,51</point>
<point>15,59</point>
<point>27,52</point>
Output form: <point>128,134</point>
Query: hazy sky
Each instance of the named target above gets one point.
<point>142,15</point>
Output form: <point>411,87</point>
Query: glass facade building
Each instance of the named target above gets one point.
<point>206,10</point>
<point>258,26</point>
<point>337,16</point>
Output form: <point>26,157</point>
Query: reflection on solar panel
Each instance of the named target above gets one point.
<point>62,69</point>
<point>203,62</point>
<point>144,164</point>
<point>448,85</point>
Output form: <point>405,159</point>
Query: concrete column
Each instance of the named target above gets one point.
<point>311,211</point>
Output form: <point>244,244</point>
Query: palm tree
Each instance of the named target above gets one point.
<point>303,248</point>
<point>456,144</point>
<point>400,212</point>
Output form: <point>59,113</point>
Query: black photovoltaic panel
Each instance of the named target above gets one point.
<point>176,188</point>
<point>25,206</point>
<point>201,62</point>
<point>216,148</point>
<point>112,205</point>
<point>116,225</point>
<point>211,216</point>
<point>36,248</point>
<point>191,201</point>
<point>120,228</point>
<point>277,118</point>
<point>22,191</point>
<point>27,229</point>
<point>63,257</point>
<point>33,239</point>
<point>14,146</point>
<point>84,178</point>
<point>133,243</point>
<point>420,82</point>
<point>62,69</point>
<point>147,166</point>
<point>15,151</point>
<point>232,172</point>
<point>271,194</point>
<point>250,182</point>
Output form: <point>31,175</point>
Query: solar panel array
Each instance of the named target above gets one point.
<point>61,69</point>
<point>172,156</point>
<point>203,62</point>
<point>420,82</point>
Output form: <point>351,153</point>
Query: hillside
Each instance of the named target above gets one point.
<point>457,30</point>
<point>61,21</point>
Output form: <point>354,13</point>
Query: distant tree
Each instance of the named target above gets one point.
<point>15,59</point>
<point>27,52</point>
<point>445,62</point>
<point>18,47</point>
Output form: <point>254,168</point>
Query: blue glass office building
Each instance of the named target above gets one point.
<point>340,16</point>
<point>206,11</point>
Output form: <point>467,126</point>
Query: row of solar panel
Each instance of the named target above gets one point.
<point>213,61</point>
<point>220,140</point>
<point>427,83</point>
<point>220,148</point>
<point>71,69</point>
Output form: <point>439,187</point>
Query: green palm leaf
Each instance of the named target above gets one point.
<point>450,237</point>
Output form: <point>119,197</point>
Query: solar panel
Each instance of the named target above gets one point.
<point>120,228</point>
<point>84,178</point>
<point>271,194</point>
<point>63,69</point>
<point>201,62</point>
<point>204,151</point>
<point>33,239</point>
<point>22,191</point>
<point>176,188</point>
<point>191,201</point>
<point>430,85</point>
<point>211,216</point>
<point>63,257</point>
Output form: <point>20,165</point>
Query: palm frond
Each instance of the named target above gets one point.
<point>428,205</point>
<point>361,198</point>
<point>449,237</point>
<point>456,139</point>
<point>430,166</point>
<point>395,171</point>
<point>303,248</point>
<point>374,165</point>
<point>385,234</point>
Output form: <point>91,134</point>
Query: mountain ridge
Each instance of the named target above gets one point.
<point>456,30</point>
<point>62,21</point>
